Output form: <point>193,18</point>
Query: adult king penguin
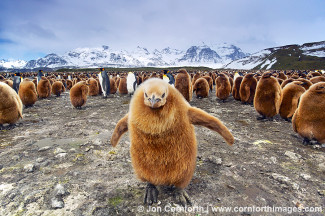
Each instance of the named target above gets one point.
<point>16,82</point>
<point>104,82</point>
<point>131,82</point>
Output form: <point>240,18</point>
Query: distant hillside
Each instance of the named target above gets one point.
<point>308,56</point>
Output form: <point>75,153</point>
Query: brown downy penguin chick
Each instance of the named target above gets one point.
<point>122,87</point>
<point>309,118</point>
<point>93,87</point>
<point>231,82</point>
<point>113,87</point>
<point>285,82</point>
<point>268,96</point>
<point>247,89</point>
<point>44,88</point>
<point>69,84</point>
<point>27,92</point>
<point>78,94</point>
<point>317,79</point>
<point>305,83</point>
<point>57,88</point>
<point>195,77</point>
<point>154,75</point>
<point>235,89</point>
<point>210,82</point>
<point>291,95</point>
<point>223,87</point>
<point>201,88</point>
<point>163,143</point>
<point>11,107</point>
<point>282,76</point>
<point>183,84</point>
<point>9,83</point>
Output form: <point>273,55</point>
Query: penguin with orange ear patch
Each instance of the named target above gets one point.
<point>309,118</point>
<point>163,143</point>
<point>11,107</point>
<point>268,96</point>
<point>183,84</point>
<point>78,94</point>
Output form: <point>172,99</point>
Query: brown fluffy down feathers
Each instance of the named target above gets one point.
<point>163,142</point>
<point>309,118</point>
<point>11,107</point>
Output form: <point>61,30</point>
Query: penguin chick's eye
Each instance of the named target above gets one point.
<point>163,95</point>
<point>145,94</point>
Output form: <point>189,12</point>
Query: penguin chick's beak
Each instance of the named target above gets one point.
<point>154,101</point>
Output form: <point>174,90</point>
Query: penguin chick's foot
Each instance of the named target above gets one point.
<point>151,195</point>
<point>261,117</point>
<point>182,197</point>
<point>306,141</point>
<point>11,126</point>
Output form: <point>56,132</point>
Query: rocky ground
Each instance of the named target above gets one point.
<point>58,161</point>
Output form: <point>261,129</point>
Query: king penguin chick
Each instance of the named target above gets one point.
<point>291,96</point>
<point>131,82</point>
<point>78,94</point>
<point>309,118</point>
<point>27,93</point>
<point>268,96</point>
<point>163,143</point>
<point>183,84</point>
<point>44,88</point>
<point>11,107</point>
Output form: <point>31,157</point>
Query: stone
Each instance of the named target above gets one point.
<point>57,203</point>
<point>29,168</point>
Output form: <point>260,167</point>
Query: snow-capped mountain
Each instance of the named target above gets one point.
<point>306,56</point>
<point>201,55</point>
<point>15,64</point>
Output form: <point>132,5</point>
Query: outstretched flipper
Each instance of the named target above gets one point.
<point>120,129</point>
<point>199,117</point>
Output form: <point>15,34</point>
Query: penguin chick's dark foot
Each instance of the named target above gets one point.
<point>1,127</point>
<point>151,195</point>
<point>261,118</point>
<point>306,141</point>
<point>182,197</point>
<point>288,119</point>
<point>11,126</point>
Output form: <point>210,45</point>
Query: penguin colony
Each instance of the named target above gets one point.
<point>296,96</point>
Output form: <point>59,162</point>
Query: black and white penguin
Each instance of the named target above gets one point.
<point>168,77</point>
<point>104,82</point>
<point>39,75</point>
<point>16,82</point>
<point>131,82</point>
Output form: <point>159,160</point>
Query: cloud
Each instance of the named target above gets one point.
<point>59,25</point>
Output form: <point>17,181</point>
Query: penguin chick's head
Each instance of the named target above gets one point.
<point>318,88</point>
<point>155,93</point>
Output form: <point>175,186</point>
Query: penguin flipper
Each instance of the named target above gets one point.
<point>120,129</point>
<point>200,117</point>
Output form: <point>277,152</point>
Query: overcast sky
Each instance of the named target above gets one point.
<point>33,28</point>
